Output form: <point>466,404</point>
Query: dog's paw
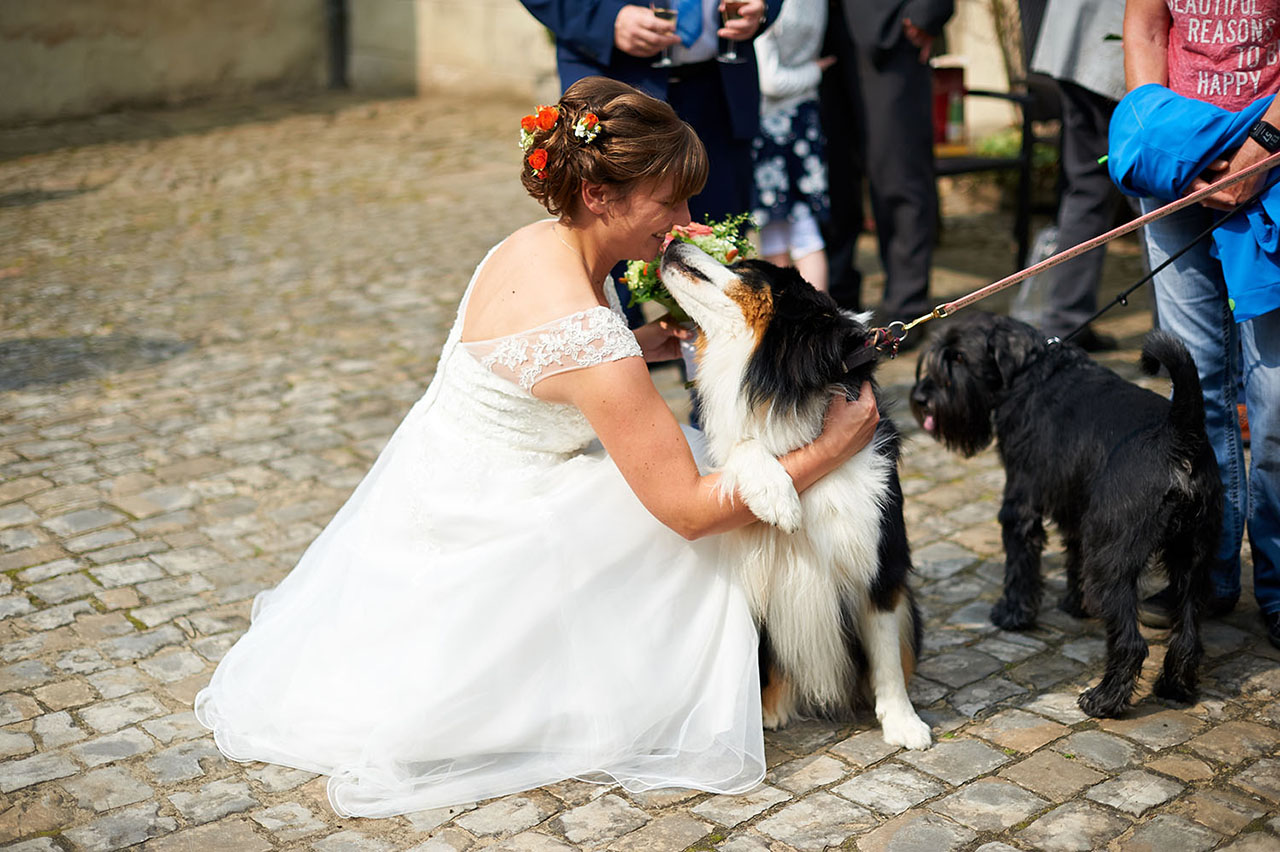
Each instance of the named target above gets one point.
<point>1008,615</point>
<point>1101,704</point>
<point>1171,690</point>
<point>764,485</point>
<point>906,730</point>
<point>781,510</point>
<point>1073,605</point>
<point>774,719</point>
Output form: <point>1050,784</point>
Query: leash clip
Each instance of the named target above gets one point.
<point>896,333</point>
<point>889,338</point>
<point>881,340</point>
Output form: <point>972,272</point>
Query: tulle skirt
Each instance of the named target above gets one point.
<point>471,625</point>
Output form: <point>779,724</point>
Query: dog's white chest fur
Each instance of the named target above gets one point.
<point>815,552</point>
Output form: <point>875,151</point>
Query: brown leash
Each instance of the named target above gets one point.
<point>890,337</point>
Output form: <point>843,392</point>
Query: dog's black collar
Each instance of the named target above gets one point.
<point>881,340</point>
<point>868,353</point>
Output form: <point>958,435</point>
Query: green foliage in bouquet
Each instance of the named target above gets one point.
<point>723,240</point>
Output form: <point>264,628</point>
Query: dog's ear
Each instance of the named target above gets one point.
<point>1008,349</point>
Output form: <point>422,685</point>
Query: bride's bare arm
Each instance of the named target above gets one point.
<point>645,441</point>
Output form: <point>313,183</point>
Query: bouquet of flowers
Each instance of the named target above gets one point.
<point>722,240</point>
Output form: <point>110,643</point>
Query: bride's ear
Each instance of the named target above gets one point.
<point>597,197</point>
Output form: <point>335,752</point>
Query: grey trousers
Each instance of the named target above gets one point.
<point>1086,209</point>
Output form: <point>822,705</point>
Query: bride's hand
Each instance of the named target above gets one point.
<point>660,339</point>
<point>850,425</point>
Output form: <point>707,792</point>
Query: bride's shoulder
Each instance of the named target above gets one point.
<point>531,250</point>
<point>534,238</point>
<point>525,283</point>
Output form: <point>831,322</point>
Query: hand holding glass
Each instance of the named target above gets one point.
<point>730,10</point>
<point>665,13</point>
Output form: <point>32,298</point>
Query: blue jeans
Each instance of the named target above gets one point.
<point>1191,300</point>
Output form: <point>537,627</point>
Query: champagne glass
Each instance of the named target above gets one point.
<point>730,10</point>
<point>665,12</point>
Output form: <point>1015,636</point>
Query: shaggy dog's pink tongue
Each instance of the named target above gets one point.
<point>928,423</point>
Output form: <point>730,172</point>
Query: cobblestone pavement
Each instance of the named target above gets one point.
<point>212,320</point>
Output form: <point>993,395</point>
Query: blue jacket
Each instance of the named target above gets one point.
<point>583,30</point>
<point>1160,142</point>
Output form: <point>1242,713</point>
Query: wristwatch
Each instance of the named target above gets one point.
<point>1266,136</point>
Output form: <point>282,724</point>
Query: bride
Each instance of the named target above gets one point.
<point>497,607</point>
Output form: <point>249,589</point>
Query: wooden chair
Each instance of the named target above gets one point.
<point>1038,101</point>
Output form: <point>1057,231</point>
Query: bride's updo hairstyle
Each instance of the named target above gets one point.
<point>639,140</point>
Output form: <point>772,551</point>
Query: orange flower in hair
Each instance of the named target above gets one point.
<point>538,163</point>
<point>544,119</point>
<point>547,117</point>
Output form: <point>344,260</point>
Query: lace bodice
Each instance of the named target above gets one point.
<point>479,406</point>
<point>582,339</point>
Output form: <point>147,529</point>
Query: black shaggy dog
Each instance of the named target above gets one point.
<point>1128,477</point>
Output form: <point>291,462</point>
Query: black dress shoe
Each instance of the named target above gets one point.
<point>1272,621</point>
<point>1157,610</point>
<point>1090,341</point>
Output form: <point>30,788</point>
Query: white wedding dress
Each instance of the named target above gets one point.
<point>494,610</point>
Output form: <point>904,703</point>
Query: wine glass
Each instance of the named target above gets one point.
<point>664,12</point>
<point>730,10</point>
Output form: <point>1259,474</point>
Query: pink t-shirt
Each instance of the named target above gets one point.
<point>1226,52</point>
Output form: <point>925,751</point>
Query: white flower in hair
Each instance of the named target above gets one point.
<point>587,128</point>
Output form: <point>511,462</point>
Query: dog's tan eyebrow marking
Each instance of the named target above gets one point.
<point>756,306</point>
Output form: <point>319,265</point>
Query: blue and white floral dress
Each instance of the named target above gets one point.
<point>790,151</point>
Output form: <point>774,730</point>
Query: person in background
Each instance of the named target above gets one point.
<point>1175,47</point>
<point>790,156</point>
<point>1089,70</point>
<point>877,113</point>
<point>721,101</point>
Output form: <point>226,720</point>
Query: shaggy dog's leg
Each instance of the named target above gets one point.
<point>763,484</point>
<point>1072,601</point>
<point>1189,577</point>
<point>1112,567</point>
<point>1023,534</point>
<point>887,638</point>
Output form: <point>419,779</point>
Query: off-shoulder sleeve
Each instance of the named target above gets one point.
<point>584,339</point>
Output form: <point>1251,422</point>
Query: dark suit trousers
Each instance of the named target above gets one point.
<point>878,120</point>
<point>697,95</point>
<point>1087,208</point>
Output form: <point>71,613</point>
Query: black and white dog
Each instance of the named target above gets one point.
<point>1127,475</point>
<point>827,574</point>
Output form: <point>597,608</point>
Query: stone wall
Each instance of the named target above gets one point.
<point>63,58</point>
<point>430,44</point>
